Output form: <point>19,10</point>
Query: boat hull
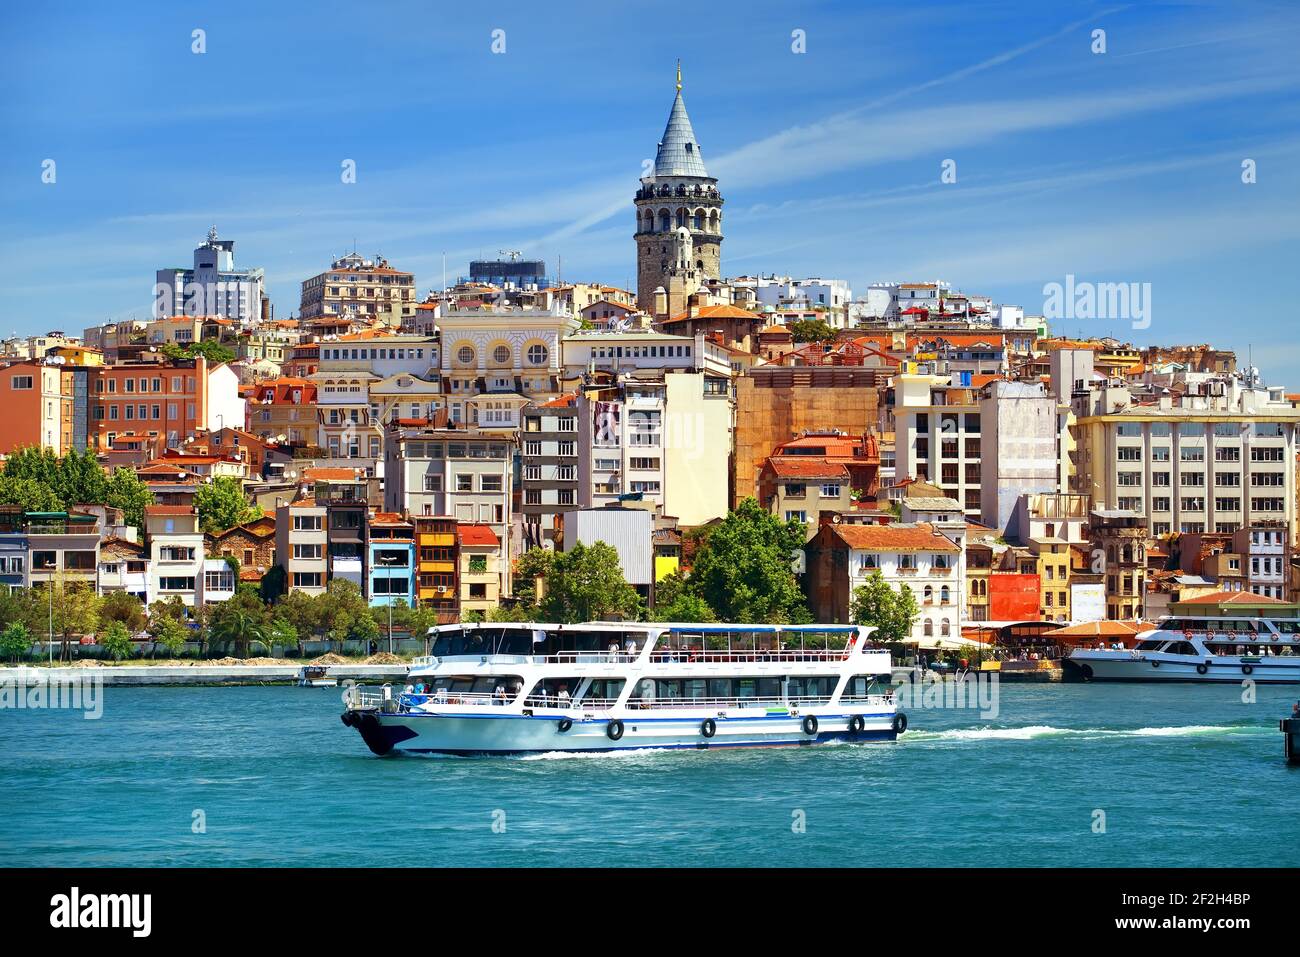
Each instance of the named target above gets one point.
<point>501,734</point>
<point>1097,666</point>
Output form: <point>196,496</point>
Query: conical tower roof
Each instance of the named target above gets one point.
<point>679,151</point>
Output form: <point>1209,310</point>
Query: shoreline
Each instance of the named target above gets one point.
<point>198,674</point>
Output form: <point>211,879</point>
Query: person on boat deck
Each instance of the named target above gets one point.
<point>563,698</point>
<point>613,650</point>
<point>499,694</point>
<point>631,648</point>
<point>441,694</point>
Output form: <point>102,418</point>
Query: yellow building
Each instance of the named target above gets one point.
<point>435,569</point>
<point>480,569</point>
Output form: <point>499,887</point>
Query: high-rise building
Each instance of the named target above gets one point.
<point>212,286</point>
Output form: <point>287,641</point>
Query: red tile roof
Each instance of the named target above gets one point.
<point>716,312</point>
<point>1232,598</point>
<point>894,538</point>
<point>806,466</point>
<point>477,535</point>
<point>332,475</point>
<point>169,510</point>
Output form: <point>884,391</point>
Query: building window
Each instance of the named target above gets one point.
<point>537,355</point>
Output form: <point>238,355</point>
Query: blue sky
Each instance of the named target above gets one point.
<point>1115,167</point>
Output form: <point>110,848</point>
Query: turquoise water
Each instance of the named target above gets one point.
<point>1186,775</point>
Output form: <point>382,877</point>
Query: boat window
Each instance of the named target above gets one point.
<point>1149,645</point>
<point>1180,648</point>
<point>820,686</point>
<point>1287,627</point>
<point>604,688</point>
<point>484,641</point>
<point>860,686</point>
<point>550,691</point>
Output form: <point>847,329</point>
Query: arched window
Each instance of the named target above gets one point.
<point>929,593</point>
<point>538,354</point>
<point>681,217</point>
<point>665,221</point>
<point>713,221</point>
<point>501,355</point>
<point>945,629</point>
<point>944,594</point>
<point>929,628</point>
<point>465,355</point>
<point>698,224</point>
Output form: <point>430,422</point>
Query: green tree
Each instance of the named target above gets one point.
<point>674,601</point>
<point>586,583</point>
<point>33,462</point>
<point>15,641</point>
<point>80,480</point>
<point>303,612</point>
<point>126,491</point>
<point>169,634</point>
<point>274,584</point>
<point>743,570</point>
<point>280,632</point>
<point>29,494</point>
<point>345,614</point>
<point>892,612</point>
<point>214,352</point>
<point>124,607</point>
<point>810,330</point>
<point>76,612</point>
<point>116,641</point>
<point>236,628</point>
<point>222,504</point>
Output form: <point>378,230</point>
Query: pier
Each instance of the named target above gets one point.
<point>1290,728</point>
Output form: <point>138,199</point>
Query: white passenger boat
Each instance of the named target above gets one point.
<point>497,688</point>
<point>1196,648</point>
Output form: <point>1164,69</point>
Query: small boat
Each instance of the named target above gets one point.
<point>316,676</point>
<point>1199,649</point>
<point>494,688</point>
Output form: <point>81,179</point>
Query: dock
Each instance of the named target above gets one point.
<point>1290,728</point>
<point>140,675</point>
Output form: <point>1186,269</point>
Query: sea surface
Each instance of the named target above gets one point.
<point>1065,775</point>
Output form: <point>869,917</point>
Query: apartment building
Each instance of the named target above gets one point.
<point>168,399</point>
<point>366,287</point>
<point>300,545</point>
<point>283,410</point>
<point>391,560</point>
<point>1213,462</point>
<point>479,569</point>
<point>840,558</point>
<point>1120,540</point>
<point>350,423</point>
<point>1051,526</point>
<point>176,554</point>
<point>38,402</point>
<point>437,564</point>
<point>664,437</point>
<point>212,286</point>
<point>123,566</point>
<point>549,480</point>
<point>495,360</point>
<point>464,473</point>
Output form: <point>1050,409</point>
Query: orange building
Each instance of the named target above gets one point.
<point>37,403</point>
<point>155,398</point>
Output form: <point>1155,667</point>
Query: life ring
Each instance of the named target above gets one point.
<point>810,724</point>
<point>709,727</point>
<point>856,724</point>
<point>1202,668</point>
<point>564,725</point>
<point>1247,669</point>
<point>900,723</point>
<point>614,730</point>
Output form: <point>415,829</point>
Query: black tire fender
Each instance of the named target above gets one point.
<point>857,723</point>
<point>1247,669</point>
<point>708,727</point>
<point>614,730</point>
<point>1202,668</point>
<point>563,725</point>
<point>900,723</point>
<point>809,724</point>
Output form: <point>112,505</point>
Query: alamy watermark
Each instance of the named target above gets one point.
<point>1074,299</point>
<point>975,689</point>
<point>42,689</point>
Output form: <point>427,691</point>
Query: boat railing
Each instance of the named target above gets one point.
<point>359,696</point>
<point>708,657</point>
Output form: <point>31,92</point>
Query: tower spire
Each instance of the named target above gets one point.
<point>679,74</point>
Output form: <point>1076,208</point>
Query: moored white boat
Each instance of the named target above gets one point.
<point>1199,649</point>
<point>499,688</point>
<point>315,676</point>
